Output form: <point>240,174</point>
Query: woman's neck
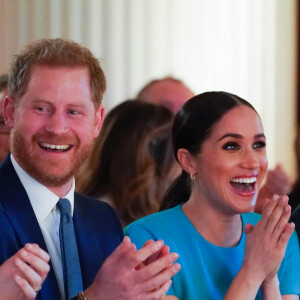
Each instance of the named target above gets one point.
<point>218,228</point>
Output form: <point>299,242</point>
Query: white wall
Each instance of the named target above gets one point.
<point>247,47</point>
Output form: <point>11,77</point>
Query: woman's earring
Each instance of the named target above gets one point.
<point>193,176</point>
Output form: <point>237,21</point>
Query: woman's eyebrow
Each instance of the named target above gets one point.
<point>234,135</point>
<point>261,135</point>
<point>239,136</point>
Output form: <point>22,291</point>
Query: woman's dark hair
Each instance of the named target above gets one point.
<point>192,126</point>
<point>131,159</point>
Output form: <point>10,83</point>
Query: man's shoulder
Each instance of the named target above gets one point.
<point>6,168</point>
<point>88,201</point>
<point>10,184</point>
<point>97,210</point>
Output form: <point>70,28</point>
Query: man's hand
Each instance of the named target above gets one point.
<point>23,273</point>
<point>131,274</point>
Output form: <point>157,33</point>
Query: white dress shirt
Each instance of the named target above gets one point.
<point>43,202</point>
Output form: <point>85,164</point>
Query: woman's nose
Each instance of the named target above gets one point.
<point>250,161</point>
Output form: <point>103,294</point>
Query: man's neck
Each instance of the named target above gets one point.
<point>63,190</point>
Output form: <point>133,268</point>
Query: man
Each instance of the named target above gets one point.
<point>169,92</point>
<point>54,110</point>
<point>4,130</point>
<point>173,93</point>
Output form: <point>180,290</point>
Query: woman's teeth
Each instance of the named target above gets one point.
<point>244,184</point>
<point>244,180</point>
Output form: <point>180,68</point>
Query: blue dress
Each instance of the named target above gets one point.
<point>207,270</point>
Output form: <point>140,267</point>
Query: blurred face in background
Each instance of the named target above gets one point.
<point>168,93</point>
<point>4,130</point>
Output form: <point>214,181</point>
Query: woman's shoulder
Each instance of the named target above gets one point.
<point>157,220</point>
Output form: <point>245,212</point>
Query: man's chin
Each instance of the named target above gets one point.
<point>52,180</point>
<point>48,175</point>
<point>45,169</point>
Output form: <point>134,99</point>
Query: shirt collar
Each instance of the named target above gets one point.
<point>43,201</point>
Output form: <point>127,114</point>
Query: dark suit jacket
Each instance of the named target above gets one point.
<point>296,219</point>
<point>97,228</point>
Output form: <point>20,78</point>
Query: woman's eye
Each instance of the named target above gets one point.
<point>259,145</point>
<point>231,146</point>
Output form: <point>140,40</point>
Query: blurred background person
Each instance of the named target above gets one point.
<point>173,93</point>
<point>132,162</point>
<point>4,130</point>
<point>169,92</point>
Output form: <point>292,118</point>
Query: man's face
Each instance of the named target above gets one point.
<point>4,130</point>
<point>54,124</point>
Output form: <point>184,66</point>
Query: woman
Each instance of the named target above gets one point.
<point>220,144</point>
<point>132,162</point>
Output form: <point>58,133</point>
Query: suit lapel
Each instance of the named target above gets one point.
<point>89,248</point>
<point>19,210</point>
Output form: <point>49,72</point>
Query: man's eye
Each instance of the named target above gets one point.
<point>231,146</point>
<point>73,112</point>
<point>40,108</point>
<point>259,145</point>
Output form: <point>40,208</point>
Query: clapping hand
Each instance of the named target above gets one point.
<point>132,274</point>
<point>22,275</point>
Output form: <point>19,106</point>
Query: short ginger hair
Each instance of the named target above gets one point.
<point>56,52</point>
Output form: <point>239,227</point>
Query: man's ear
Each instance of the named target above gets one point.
<point>99,116</point>
<point>9,111</point>
<point>186,161</point>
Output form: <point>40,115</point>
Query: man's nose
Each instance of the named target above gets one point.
<point>57,123</point>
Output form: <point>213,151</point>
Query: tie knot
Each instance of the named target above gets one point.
<point>64,206</point>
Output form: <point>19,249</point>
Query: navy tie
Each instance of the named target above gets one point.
<point>69,252</point>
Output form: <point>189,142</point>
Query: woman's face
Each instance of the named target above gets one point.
<point>232,163</point>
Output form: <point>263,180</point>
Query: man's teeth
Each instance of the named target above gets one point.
<point>55,147</point>
<point>244,180</point>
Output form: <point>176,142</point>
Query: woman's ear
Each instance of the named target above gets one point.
<point>185,159</point>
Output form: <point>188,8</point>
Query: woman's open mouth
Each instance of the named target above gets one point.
<point>244,184</point>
